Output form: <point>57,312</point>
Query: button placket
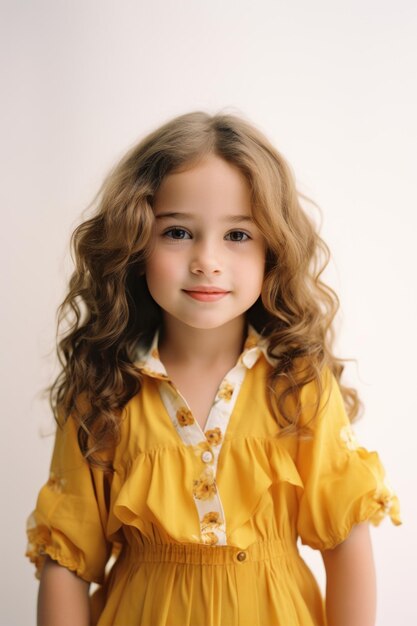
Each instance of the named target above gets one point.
<point>205,493</point>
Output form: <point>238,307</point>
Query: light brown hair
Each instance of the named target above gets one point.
<point>109,308</point>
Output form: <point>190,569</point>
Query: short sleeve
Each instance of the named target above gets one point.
<point>69,521</point>
<point>344,484</point>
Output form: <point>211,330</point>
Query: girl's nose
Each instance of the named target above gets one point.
<point>205,260</point>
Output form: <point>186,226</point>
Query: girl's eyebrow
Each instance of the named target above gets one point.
<point>190,216</point>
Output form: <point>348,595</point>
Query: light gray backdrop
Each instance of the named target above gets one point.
<point>333,85</point>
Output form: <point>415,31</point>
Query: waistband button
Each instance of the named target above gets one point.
<point>241,556</point>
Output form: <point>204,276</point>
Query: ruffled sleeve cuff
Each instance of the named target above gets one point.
<point>44,542</point>
<point>358,494</point>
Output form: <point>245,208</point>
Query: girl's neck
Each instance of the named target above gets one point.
<point>182,345</point>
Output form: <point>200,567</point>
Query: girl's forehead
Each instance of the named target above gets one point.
<point>211,181</point>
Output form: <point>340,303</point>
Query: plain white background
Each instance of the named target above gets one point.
<point>333,86</point>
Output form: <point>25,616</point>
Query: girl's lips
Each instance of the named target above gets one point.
<point>206,296</point>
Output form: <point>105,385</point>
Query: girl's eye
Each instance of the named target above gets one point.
<point>237,236</point>
<point>176,233</point>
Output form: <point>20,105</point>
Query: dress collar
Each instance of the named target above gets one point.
<point>149,363</point>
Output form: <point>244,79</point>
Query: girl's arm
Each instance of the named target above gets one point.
<point>351,580</point>
<point>63,597</point>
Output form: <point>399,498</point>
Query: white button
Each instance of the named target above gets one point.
<point>207,456</point>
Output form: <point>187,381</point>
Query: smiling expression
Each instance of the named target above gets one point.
<point>207,262</point>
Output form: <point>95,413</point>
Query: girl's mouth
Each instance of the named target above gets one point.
<point>205,295</point>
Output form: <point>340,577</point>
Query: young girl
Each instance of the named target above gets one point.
<point>203,426</point>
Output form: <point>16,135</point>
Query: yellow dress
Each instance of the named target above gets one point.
<point>204,525</point>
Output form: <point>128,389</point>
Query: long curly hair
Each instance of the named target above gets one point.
<point>108,309</point>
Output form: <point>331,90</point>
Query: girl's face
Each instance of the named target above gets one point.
<point>207,263</point>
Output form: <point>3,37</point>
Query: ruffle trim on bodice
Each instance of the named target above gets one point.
<point>247,469</point>
<point>157,488</point>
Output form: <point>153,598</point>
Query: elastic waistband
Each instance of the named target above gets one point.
<point>199,554</point>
